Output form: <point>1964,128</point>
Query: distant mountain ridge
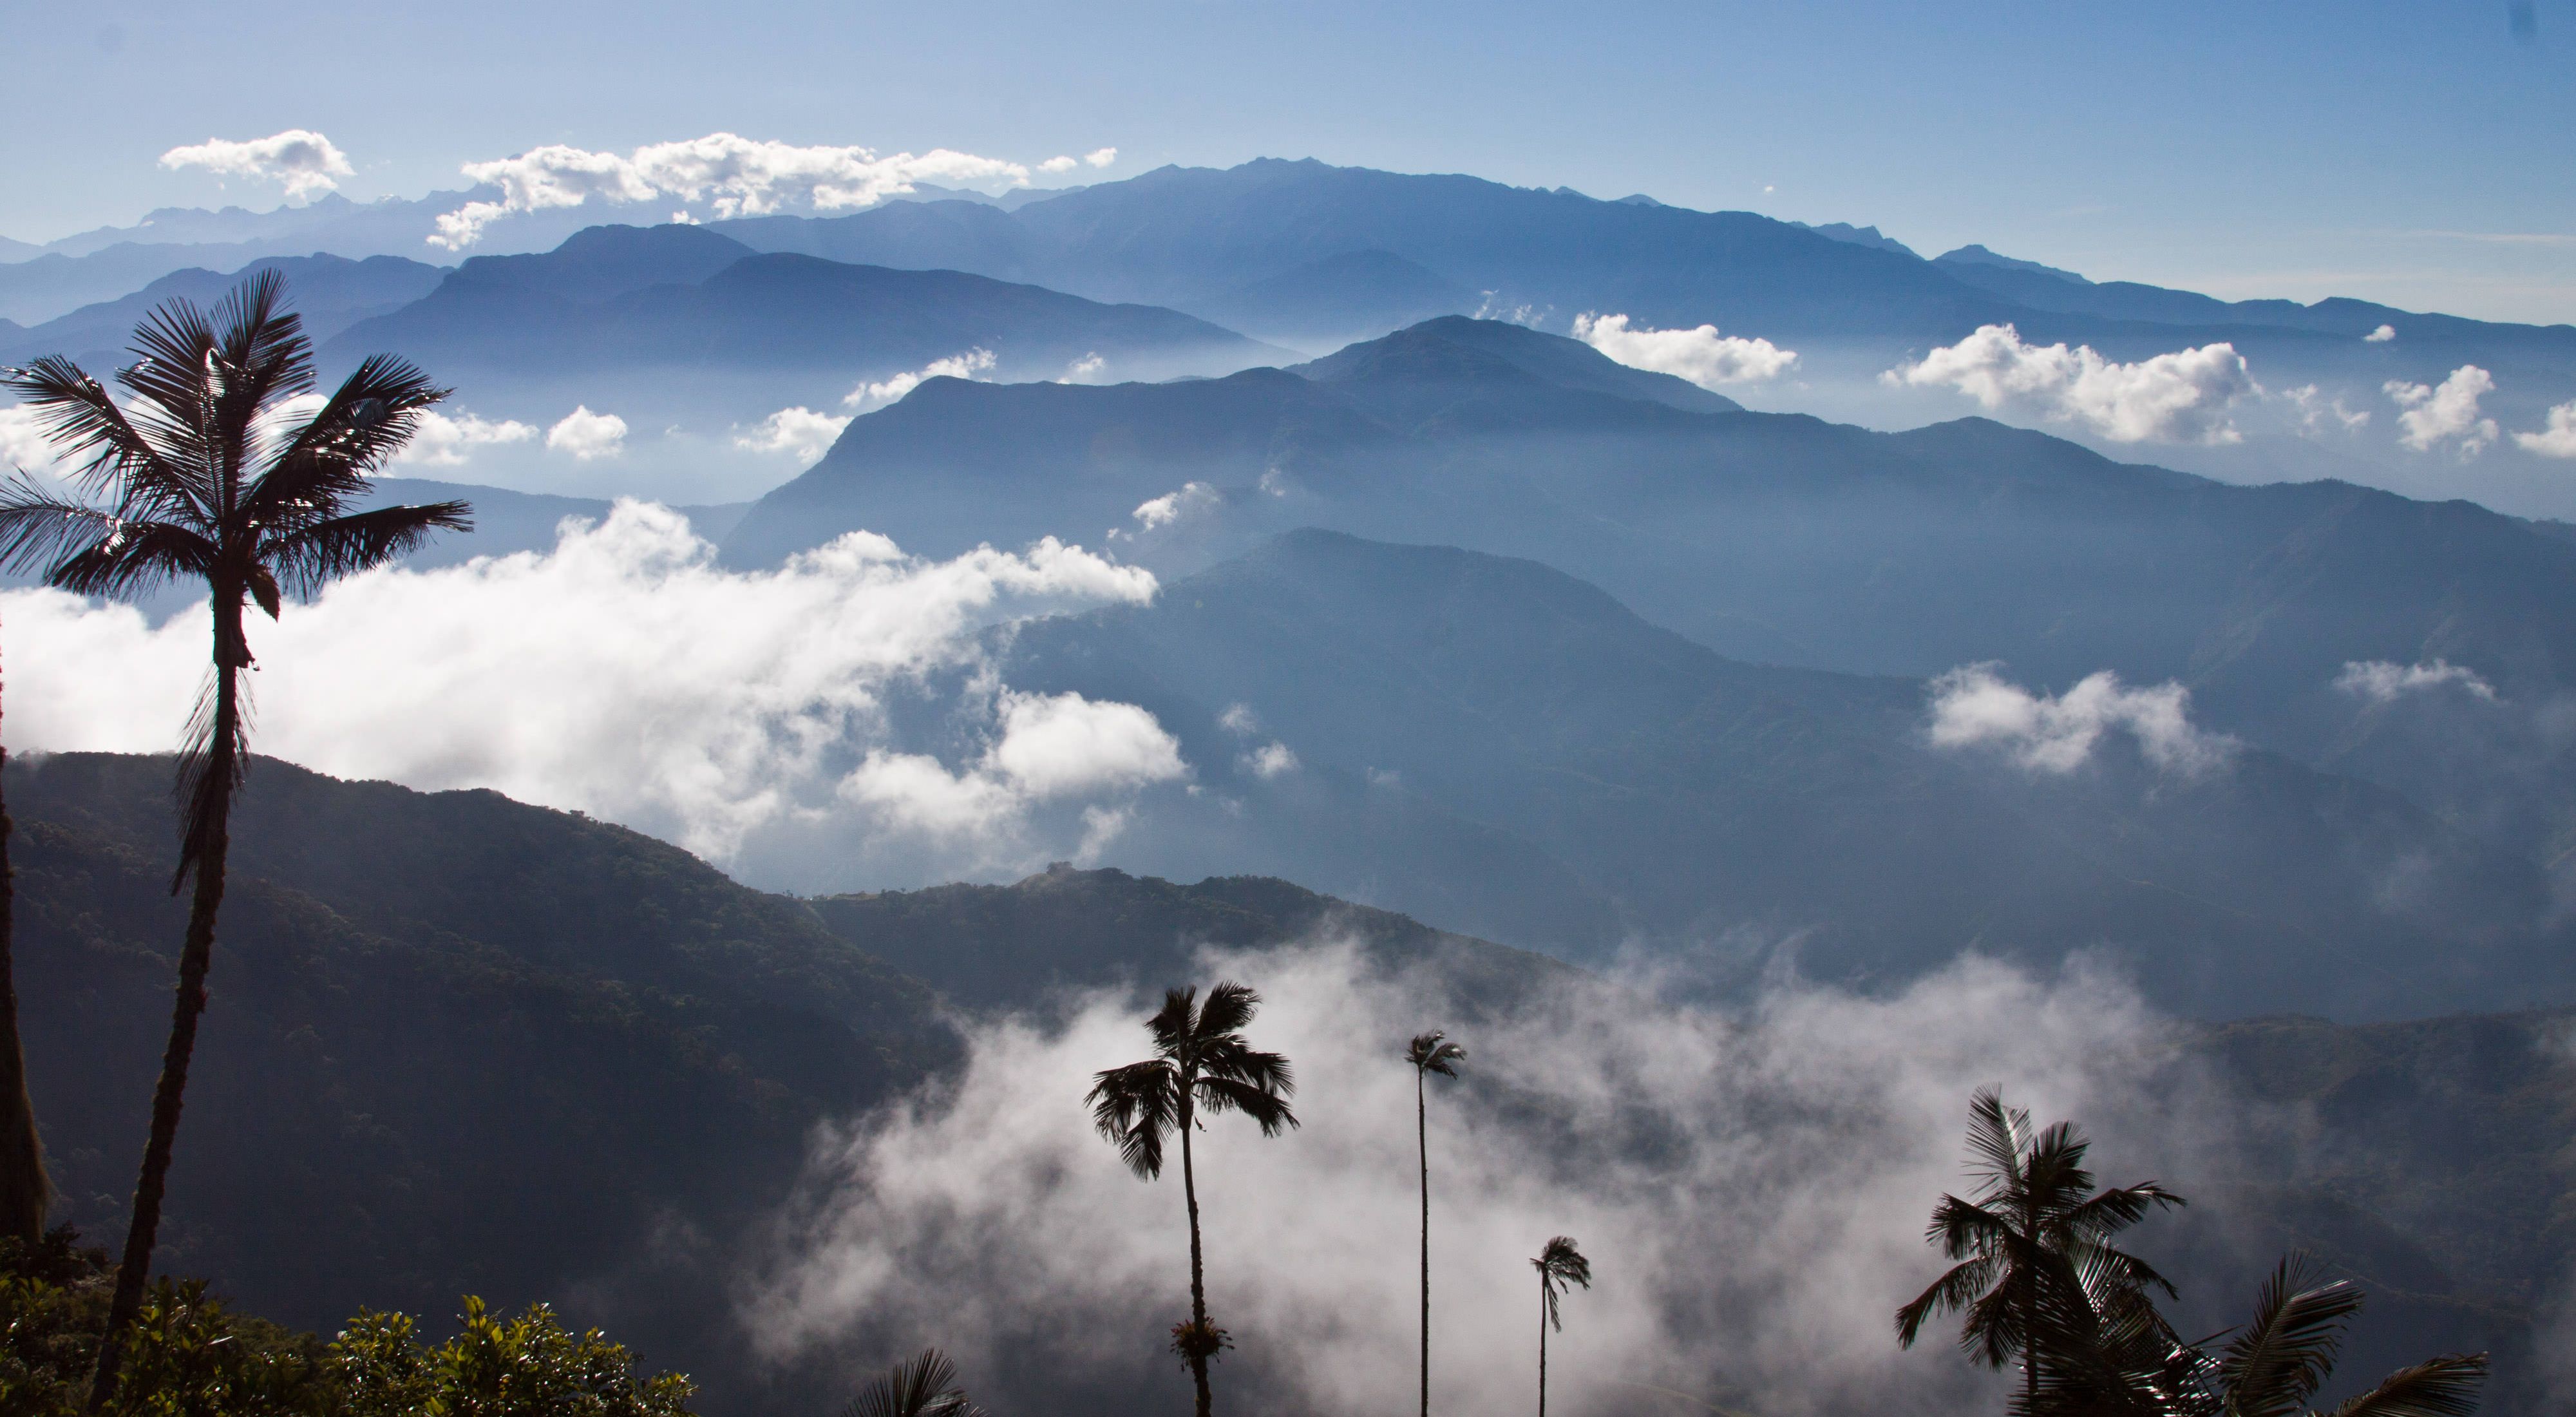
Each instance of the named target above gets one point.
<point>1783,539</point>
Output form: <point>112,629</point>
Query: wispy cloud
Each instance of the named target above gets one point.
<point>302,161</point>
<point>968,365</point>
<point>2382,681</point>
<point>736,176</point>
<point>1700,354</point>
<point>2183,396</point>
<point>800,432</point>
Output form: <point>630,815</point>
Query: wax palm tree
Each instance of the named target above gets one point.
<point>24,1191</point>
<point>2032,1248</point>
<point>1560,1265</point>
<point>2273,1366</point>
<point>1201,1063</point>
<point>924,1385</point>
<point>209,474</point>
<point>1429,1053</point>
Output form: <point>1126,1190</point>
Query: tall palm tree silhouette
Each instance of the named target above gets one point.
<point>24,1191</point>
<point>1201,1062</point>
<point>1560,1265</point>
<point>1429,1053</point>
<point>2034,1243</point>
<point>210,474</point>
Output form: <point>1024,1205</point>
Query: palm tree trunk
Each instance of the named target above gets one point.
<point>195,954</point>
<point>1542,1344</point>
<point>23,1187</point>
<point>1422,1150</point>
<point>1198,1265</point>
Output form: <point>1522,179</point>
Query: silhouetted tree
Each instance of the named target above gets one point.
<point>1429,1053</point>
<point>209,474</point>
<point>924,1385</point>
<point>1201,1062</point>
<point>2271,1367</point>
<point>2032,1248</point>
<point>1560,1265</point>
<point>24,1190</point>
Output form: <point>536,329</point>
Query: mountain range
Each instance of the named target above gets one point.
<point>462,1044</point>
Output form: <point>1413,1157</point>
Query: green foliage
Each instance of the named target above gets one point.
<point>189,1355</point>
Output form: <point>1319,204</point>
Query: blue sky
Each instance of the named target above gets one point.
<point>2416,153</point>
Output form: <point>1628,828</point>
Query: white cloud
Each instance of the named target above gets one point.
<point>1171,507</point>
<point>1100,157</point>
<point>438,440</point>
<point>2178,397</point>
<point>1270,760</point>
<point>2382,335</point>
<point>1085,370</point>
<point>2317,413</point>
<point>741,715</point>
<point>587,435</point>
<point>303,161</point>
<point>798,431</point>
<point>956,366</point>
<point>1059,164</point>
<point>2447,412</point>
<point>1239,719</point>
<point>2380,681</point>
<point>1972,706</point>
<point>2558,440</point>
<point>23,444</point>
<point>734,176</point>
<point>1700,355</point>
<point>1747,1250</point>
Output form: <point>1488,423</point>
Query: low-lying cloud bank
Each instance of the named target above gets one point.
<point>1751,1189</point>
<point>2181,397</point>
<point>625,675</point>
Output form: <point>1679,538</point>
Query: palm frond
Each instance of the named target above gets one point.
<point>326,461</point>
<point>212,763</point>
<point>1560,1266</point>
<point>1997,1138</point>
<point>1962,1228</point>
<point>316,555</point>
<point>1175,1025</point>
<point>1433,1053</point>
<point>2273,1365</point>
<point>1229,1009</point>
<point>77,415</point>
<point>1134,1107</point>
<point>924,1385</point>
<point>1265,1107</point>
<point>1956,1289</point>
<point>2119,1208</point>
<point>2441,1387</point>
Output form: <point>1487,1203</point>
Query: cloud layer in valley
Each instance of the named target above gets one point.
<point>625,675</point>
<point>1751,1190</point>
<point>2181,397</point>
<point>1701,354</point>
<point>302,161</point>
<point>1975,707</point>
<point>734,176</point>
